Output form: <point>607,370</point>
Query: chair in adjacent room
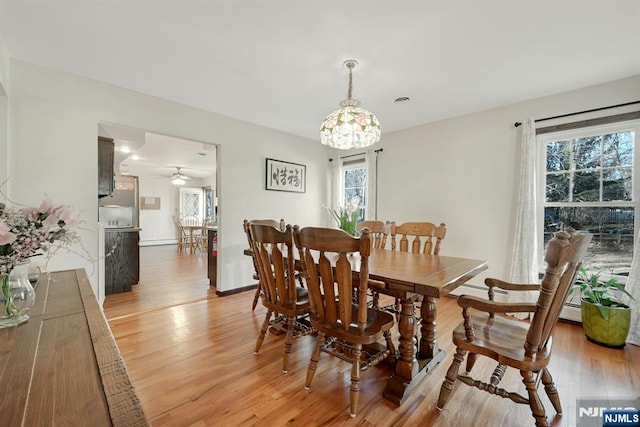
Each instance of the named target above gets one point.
<point>270,222</point>
<point>191,230</point>
<point>512,343</point>
<point>336,313</point>
<point>273,252</point>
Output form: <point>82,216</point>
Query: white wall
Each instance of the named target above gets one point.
<point>465,171</point>
<point>53,150</point>
<point>157,225</point>
<point>462,171</point>
<point>4,118</point>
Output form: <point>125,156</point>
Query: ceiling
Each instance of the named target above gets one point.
<point>280,63</point>
<point>138,152</point>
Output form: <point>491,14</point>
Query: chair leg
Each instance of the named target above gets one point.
<point>450,379</point>
<point>263,331</point>
<point>315,356</point>
<point>471,360</point>
<point>552,392</point>
<point>287,343</point>
<point>256,297</point>
<point>537,409</point>
<point>355,379</point>
<point>390,346</point>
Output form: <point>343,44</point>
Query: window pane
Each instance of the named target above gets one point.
<point>350,193</point>
<point>616,184</point>
<point>586,186</point>
<point>557,188</point>
<point>611,249</point>
<point>618,149</point>
<point>558,156</point>
<point>354,177</point>
<point>586,152</point>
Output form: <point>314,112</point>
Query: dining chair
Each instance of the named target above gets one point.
<point>379,232</point>
<point>182,235</point>
<point>192,229</point>
<point>274,256</point>
<point>417,237</point>
<point>245,224</point>
<point>336,313</point>
<point>522,345</point>
<point>424,237</point>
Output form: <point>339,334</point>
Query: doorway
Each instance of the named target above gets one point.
<point>167,277</point>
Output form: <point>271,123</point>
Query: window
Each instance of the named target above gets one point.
<point>588,183</point>
<point>354,182</point>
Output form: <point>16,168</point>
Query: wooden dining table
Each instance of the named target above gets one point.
<point>407,276</point>
<point>192,236</point>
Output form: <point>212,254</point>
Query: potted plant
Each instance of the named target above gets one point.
<point>605,318</point>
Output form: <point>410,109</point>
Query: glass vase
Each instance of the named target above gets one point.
<point>16,296</point>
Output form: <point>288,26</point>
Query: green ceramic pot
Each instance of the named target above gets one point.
<point>612,332</point>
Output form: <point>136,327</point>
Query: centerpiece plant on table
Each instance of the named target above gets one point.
<point>26,232</point>
<point>347,216</point>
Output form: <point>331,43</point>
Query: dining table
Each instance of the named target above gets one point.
<point>407,276</point>
<point>193,235</point>
<point>410,277</point>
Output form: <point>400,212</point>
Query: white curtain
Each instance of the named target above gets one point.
<point>524,261</point>
<point>336,179</point>
<point>371,212</point>
<point>633,287</point>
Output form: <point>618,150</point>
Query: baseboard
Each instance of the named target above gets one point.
<point>158,242</point>
<point>236,290</point>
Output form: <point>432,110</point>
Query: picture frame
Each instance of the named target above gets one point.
<point>150,203</point>
<point>285,176</point>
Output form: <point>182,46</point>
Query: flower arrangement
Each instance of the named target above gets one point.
<point>27,232</point>
<point>347,216</point>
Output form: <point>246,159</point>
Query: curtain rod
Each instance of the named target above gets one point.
<point>359,154</point>
<point>516,124</point>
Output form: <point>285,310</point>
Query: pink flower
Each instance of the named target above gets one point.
<point>6,236</point>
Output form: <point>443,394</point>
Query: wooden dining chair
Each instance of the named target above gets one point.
<point>274,254</point>
<point>424,237</point>
<point>512,343</point>
<point>245,224</point>
<point>190,234</point>
<point>379,232</point>
<point>334,312</point>
<point>416,237</point>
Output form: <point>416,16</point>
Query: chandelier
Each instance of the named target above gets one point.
<point>350,126</point>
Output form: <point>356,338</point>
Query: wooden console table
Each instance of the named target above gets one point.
<point>63,367</point>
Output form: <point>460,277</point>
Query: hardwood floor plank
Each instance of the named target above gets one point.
<point>192,363</point>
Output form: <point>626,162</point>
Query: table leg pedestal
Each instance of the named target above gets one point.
<point>412,365</point>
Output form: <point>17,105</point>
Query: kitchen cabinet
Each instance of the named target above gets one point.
<point>105,166</point>
<point>122,264</point>
<point>212,256</point>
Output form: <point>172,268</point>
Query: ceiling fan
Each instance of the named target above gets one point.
<point>178,178</point>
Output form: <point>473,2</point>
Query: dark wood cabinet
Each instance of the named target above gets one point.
<point>122,265</point>
<point>212,256</point>
<point>105,166</point>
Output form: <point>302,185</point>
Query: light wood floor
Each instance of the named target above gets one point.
<point>192,363</point>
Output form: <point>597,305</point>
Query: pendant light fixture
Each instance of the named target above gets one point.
<point>350,126</point>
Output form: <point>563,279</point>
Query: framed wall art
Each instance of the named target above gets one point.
<point>286,176</point>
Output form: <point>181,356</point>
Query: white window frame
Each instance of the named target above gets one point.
<point>357,161</point>
<point>571,310</point>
